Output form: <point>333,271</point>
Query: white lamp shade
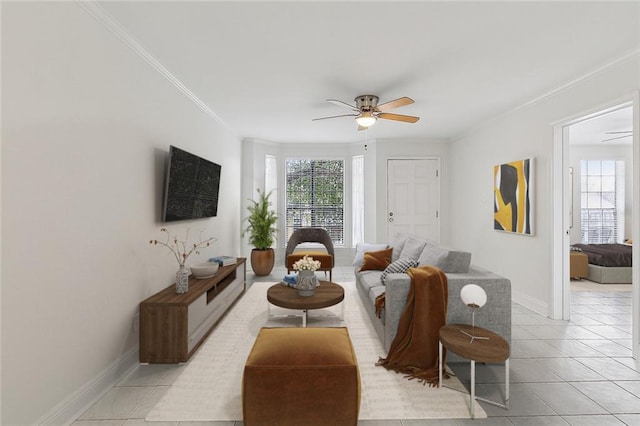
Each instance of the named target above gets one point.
<point>473,294</point>
<point>366,119</point>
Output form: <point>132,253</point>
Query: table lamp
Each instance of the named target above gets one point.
<point>475,297</point>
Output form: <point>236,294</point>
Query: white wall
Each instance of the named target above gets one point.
<point>86,125</point>
<point>601,152</point>
<point>525,132</point>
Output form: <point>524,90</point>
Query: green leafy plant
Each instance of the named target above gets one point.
<point>262,220</point>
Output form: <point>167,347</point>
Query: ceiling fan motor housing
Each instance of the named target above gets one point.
<point>366,102</point>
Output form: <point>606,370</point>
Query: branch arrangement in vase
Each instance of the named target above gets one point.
<point>181,249</point>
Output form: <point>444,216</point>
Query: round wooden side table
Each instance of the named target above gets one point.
<point>477,345</point>
<point>326,294</point>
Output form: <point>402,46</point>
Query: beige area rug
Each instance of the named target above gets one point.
<point>209,388</point>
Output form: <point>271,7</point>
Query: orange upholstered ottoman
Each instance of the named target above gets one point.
<point>578,265</point>
<point>301,376</point>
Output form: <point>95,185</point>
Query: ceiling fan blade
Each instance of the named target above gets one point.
<point>394,104</point>
<point>398,117</point>
<point>340,103</point>
<point>616,138</point>
<point>615,133</point>
<point>335,116</point>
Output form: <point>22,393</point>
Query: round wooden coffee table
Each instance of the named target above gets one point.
<point>326,294</point>
<point>476,344</point>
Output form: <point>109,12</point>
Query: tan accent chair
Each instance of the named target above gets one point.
<point>311,235</point>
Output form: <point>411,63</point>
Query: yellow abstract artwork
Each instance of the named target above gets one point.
<point>513,195</point>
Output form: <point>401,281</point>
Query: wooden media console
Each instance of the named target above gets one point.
<point>173,326</point>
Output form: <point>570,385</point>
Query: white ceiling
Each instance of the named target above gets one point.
<point>266,68</point>
<point>611,128</point>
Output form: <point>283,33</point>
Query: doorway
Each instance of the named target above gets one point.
<point>568,135</point>
<point>413,198</point>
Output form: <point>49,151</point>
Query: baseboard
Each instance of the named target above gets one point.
<point>532,303</point>
<point>77,403</point>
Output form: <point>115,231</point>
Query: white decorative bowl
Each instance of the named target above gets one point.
<point>204,270</point>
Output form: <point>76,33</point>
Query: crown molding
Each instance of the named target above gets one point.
<point>101,15</point>
<point>635,53</point>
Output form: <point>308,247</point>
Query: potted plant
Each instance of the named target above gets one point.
<point>261,230</point>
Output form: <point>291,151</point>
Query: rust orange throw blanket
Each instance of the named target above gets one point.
<point>414,351</point>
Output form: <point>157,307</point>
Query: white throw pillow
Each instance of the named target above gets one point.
<point>398,267</point>
<point>363,247</point>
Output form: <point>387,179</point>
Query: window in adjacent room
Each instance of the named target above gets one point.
<point>315,196</point>
<point>602,201</point>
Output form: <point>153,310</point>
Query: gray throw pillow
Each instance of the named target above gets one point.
<point>412,248</point>
<point>433,255</point>
<point>398,267</point>
<point>397,244</point>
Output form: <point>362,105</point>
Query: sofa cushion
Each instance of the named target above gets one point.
<point>361,248</point>
<point>432,255</point>
<point>412,248</point>
<point>447,259</point>
<point>369,279</point>
<point>397,244</point>
<point>456,261</point>
<point>376,260</point>
<point>398,267</point>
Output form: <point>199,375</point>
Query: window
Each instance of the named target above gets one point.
<point>315,196</point>
<point>602,201</point>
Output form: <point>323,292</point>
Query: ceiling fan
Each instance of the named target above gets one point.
<point>367,111</point>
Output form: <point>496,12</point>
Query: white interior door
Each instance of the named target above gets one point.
<point>413,198</point>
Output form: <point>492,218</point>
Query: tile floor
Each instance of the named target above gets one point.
<point>577,372</point>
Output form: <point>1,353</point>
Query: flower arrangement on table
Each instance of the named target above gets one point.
<point>181,249</point>
<point>306,264</point>
<point>307,281</point>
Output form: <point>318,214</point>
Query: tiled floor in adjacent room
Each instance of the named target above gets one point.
<point>562,373</point>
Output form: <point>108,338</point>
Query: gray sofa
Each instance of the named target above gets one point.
<point>495,315</point>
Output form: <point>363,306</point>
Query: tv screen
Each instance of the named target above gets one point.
<point>191,187</point>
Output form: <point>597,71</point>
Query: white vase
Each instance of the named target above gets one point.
<point>182,280</point>
<point>307,283</point>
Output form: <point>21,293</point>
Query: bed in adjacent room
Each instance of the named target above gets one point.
<point>608,263</point>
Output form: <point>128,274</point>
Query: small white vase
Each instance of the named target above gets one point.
<point>307,283</point>
<point>182,280</point>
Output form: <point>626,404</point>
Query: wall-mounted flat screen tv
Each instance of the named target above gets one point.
<point>192,185</point>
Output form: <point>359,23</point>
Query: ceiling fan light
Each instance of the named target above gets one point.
<point>366,119</point>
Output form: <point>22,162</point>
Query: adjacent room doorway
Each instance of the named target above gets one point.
<point>413,197</point>
<point>564,220</point>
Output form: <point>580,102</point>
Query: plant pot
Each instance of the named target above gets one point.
<point>262,261</point>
